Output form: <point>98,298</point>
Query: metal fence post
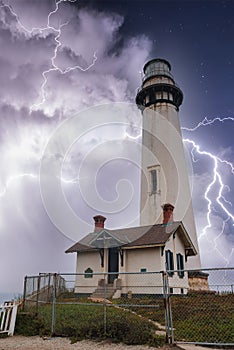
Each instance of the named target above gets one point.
<point>48,290</point>
<point>38,292</point>
<point>104,303</point>
<point>165,305</point>
<point>54,305</point>
<point>168,311</point>
<point>25,292</point>
<point>170,317</point>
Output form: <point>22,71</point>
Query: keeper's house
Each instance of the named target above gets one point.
<point>137,251</point>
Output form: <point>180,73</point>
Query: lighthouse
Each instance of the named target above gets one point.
<point>164,180</point>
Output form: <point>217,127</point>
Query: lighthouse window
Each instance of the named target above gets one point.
<point>165,96</point>
<point>158,95</point>
<point>153,181</point>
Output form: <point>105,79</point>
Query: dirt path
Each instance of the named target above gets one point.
<point>31,343</point>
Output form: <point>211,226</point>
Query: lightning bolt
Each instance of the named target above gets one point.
<point>217,161</point>
<point>57,32</point>
<point>216,176</point>
<point>216,246</point>
<point>216,180</point>
<point>14,178</point>
<point>206,122</point>
<point>18,177</point>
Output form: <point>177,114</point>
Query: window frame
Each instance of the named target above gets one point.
<point>180,265</point>
<point>153,180</point>
<point>88,273</point>
<point>169,262</point>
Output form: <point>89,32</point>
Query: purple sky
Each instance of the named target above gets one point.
<point>53,68</point>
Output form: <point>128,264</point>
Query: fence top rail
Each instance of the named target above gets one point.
<point>113,273</point>
<point>99,273</point>
<point>211,269</point>
<point>130,273</point>
<point>156,272</point>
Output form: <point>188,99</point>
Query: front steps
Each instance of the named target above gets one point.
<point>101,292</point>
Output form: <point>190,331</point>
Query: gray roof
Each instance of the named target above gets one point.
<point>134,237</point>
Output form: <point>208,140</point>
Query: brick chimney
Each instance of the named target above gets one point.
<point>167,213</point>
<point>99,222</point>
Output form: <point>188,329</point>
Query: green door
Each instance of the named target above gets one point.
<point>113,264</point>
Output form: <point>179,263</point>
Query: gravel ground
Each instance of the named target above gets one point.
<point>31,343</point>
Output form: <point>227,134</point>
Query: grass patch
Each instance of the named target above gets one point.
<point>204,318</point>
<point>196,317</point>
<point>87,322</point>
<point>155,313</point>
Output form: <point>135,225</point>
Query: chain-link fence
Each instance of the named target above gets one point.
<point>42,289</point>
<point>176,306</point>
<point>206,314</point>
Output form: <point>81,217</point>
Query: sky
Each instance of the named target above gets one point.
<point>66,157</point>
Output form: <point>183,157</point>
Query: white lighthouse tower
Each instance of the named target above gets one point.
<point>164,172</point>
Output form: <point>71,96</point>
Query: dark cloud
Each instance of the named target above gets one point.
<point>30,112</point>
<point>36,95</point>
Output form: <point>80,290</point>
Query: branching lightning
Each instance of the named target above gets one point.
<point>217,161</point>
<point>18,177</point>
<point>206,122</point>
<point>216,178</point>
<point>57,32</point>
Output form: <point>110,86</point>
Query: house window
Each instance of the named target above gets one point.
<point>143,269</point>
<point>169,263</point>
<point>180,265</point>
<point>88,273</point>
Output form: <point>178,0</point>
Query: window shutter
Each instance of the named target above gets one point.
<point>169,262</point>
<point>180,265</point>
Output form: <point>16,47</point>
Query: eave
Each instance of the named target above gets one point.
<point>144,246</point>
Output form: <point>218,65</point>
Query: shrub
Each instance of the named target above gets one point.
<point>28,324</point>
<point>87,322</point>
